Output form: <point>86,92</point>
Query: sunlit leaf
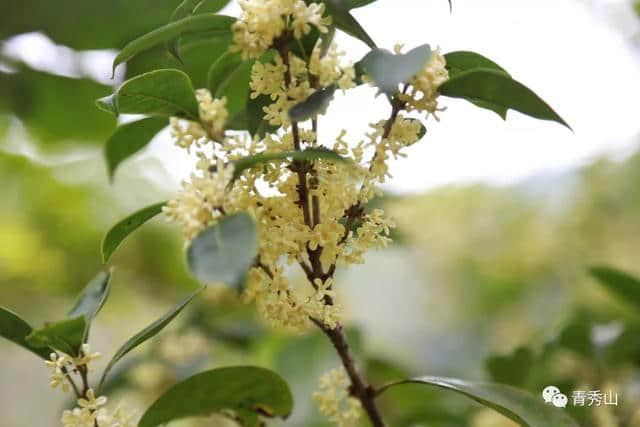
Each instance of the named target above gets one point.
<point>130,138</point>
<point>66,336</point>
<point>214,25</point>
<point>122,229</point>
<point>238,388</point>
<point>15,329</point>
<point>158,93</point>
<point>513,403</point>
<point>221,71</point>
<point>315,104</point>
<point>389,70</point>
<point>499,89</point>
<point>622,284</point>
<point>147,333</point>
<point>224,252</point>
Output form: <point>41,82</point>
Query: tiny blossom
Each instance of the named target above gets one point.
<point>91,402</point>
<point>213,113</point>
<point>333,399</point>
<point>60,364</point>
<point>423,92</point>
<point>79,417</point>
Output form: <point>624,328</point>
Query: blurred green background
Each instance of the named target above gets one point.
<point>482,282</point>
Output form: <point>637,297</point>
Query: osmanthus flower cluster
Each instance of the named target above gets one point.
<point>90,410</point>
<point>274,207</point>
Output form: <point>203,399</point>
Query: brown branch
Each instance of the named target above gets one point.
<point>360,389</point>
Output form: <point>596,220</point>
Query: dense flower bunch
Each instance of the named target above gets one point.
<point>311,214</point>
<point>90,410</point>
<point>334,401</point>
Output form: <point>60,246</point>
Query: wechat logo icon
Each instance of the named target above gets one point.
<point>552,395</point>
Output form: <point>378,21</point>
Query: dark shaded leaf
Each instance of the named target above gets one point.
<point>214,25</point>
<point>389,70</point>
<point>224,252</point>
<point>622,284</point>
<point>515,404</point>
<point>221,71</point>
<point>66,336</point>
<point>499,89</point>
<point>512,369</point>
<point>15,329</point>
<point>130,138</point>
<point>122,229</point>
<point>147,333</point>
<point>256,125</point>
<point>239,388</point>
<point>315,104</point>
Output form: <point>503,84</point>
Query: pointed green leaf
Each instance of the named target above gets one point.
<point>185,9</point>
<point>108,104</point>
<point>241,388</point>
<point>461,61</point>
<point>214,25</point>
<point>513,403</point>
<point>256,124</point>
<point>92,297</point>
<point>130,138</point>
<point>622,284</point>
<point>147,333</point>
<point>158,93</point>
<point>224,252</point>
<point>499,89</point>
<point>389,70</point>
<point>315,104</point>
<point>15,329</point>
<point>66,336</point>
<point>247,162</point>
<point>342,18</point>
<point>122,229</point>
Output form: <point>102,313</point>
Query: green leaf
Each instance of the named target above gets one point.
<point>221,71</point>
<point>461,61</point>
<point>512,369</point>
<point>92,298</point>
<point>247,162</point>
<point>147,333</point>
<point>389,70</point>
<point>158,93</point>
<point>499,89</point>
<point>185,9</point>
<point>108,104</point>
<point>225,251</point>
<point>130,138</point>
<point>515,404</point>
<point>122,229</point>
<point>315,104</point>
<point>577,336</point>
<point>214,25</point>
<point>238,388</point>
<point>256,124</point>
<point>15,329</point>
<point>353,4</point>
<point>66,336</point>
<point>342,19</point>
<point>622,284</point>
